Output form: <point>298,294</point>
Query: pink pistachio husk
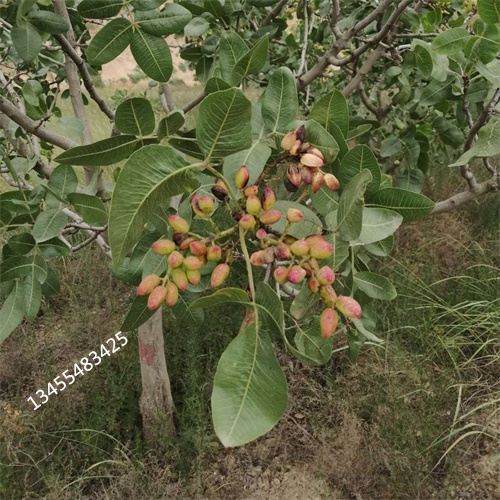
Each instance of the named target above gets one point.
<point>178,224</point>
<point>156,297</point>
<point>300,248</point>
<point>148,284</point>
<point>241,177</point>
<point>247,222</point>
<point>307,269</point>
<point>311,160</point>
<point>348,306</point>
<point>195,205</point>
<point>316,152</point>
<point>219,275</point>
<point>329,321</point>
<point>206,204</point>
<point>326,276</point>
<point>193,276</point>
<point>172,294</point>
<point>293,175</point>
<point>267,198</point>
<point>321,250</point>
<point>317,181</point>
<point>253,205</point>
<point>268,256</point>
<point>198,248</point>
<point>251,190</point>
<point>294,215</point>
<point>261,234</point>
<point>270,216</point>
<point>280,274</point>
<point>296,274</point>
<point>163,247</point>
<point>257,258</point>
<point>175,259</point>
<point>307,175</point>
<point>294,150</point>
<point>282,251</point>
<point>328,295</point>
<point>214,253</point>
<point>314,238</point>
<point>180,279</point>
<point>288,141</point>
<point>186,244</point>
<point>192,263</point>
<point>313,284</point>
<point>331,182</point>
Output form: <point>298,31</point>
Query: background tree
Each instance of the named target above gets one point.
<point>427,72</point>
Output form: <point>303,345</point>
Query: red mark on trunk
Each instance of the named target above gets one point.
<point>146,353</point>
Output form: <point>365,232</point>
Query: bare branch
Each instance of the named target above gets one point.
<point>191,104</point>
<point>335,19</point>
<point>482,119</point>
<point>303,55</point>
<point>275,12</point>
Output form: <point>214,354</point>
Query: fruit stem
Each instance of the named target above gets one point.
<point>247,261</point>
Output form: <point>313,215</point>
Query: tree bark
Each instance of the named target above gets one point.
<point>156,404</point>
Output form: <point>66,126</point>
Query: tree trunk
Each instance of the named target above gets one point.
<point>156,404</point>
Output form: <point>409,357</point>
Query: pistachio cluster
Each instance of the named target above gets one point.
<point>308,168</point>
<point>294,260</point>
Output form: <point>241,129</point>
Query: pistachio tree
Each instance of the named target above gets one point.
<point>281,204</point>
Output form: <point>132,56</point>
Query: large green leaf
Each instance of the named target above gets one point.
<point>320,138</point>
<point>350,211</point>
<point>231,49</point>
<point>250,392</point>
<point>170,20</point>
<point>183,312</point>
<point>280,103</point>
<point>423,59</point>
<point>489,11</point>
<point>222,296</point>
<point>32,295</point>
<point>309,225</point>
<point>151,175</point>
<point>15,267</point>
<point>224,123</point>
<point>302,304</point>
<point>105,152</point>
<point>358,158</point>
<point>91,208</point>
<point>332,108</point>
<point>254,158</point>
<point>315,349</point>
<point>62,182</point>
<point>135,116</point>
<point>109,42</point>
<point>49,224</point>
<point>99,9</point>
<point>325,200</point>
<point>152,55</point>
<point>487,144</point>
<point>436,92</point>
<point>451,41</point>
<point>170,124</point>
<point>22,243</point>
<point>250,63</point>
<point>410,205</point>
<point>49,22</point>
<point>198,26</point>
<point>12,312</point>
<point>137,315</point>
<point>26,40</point>
<point>375,285</point>
<point>378,224</point>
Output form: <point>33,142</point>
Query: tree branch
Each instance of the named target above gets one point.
<point>275,12</point>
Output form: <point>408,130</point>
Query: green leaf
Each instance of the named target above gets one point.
<point>32,296</point>
<point>53,248</point>
<point>359,131</point>
<point>182,311</point>
<point>170,124</point>
<point>357,159</point>
<point>423,59</point>
<point>48,22</point>
<point>381,248</point>
<point>22,243</point>
<point>436,92</point>
<point>99,9</point>
<point>337,134</point>
<point>361,329</point>
<point>450,134</point>
<point>105,152</point>
<point>170,20</point>
<point>204,69</point>
<point>332,108</point>
<point>410,205</point>
<point>325,200</point>
<point>91,208</point>
<point>302,304</point>
<point>252,62</point>
<point>224,123</point>
<point>49,224</point>
<point>70,126</point>
<point>137,315</point>
<point>26,40</point>
<point>146,4</point>
<point>320,138</point>
<point>222,296</point>
<point>451,41</point>
<point>489,11</point>
<point>214,84</point>
<point>350,211</point>
<point>51,286</point>
<point>214,7</point>
<point>198,26</point>
<point>151,175</point>
<point>375,286</point>
<point>62,182</point>
<point>152,55</point>
<point>109,42</point>
<point>309,225</point>
<point>280,103</point>
<point>378,224</point>
<point>310,342</point>
<point>390,146</point>
<point>231,49</point>
<point>135,116</point>
<point>250,393</point>
<point>12,312</point>
<point>254,158</point>
<point>15,267</point>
